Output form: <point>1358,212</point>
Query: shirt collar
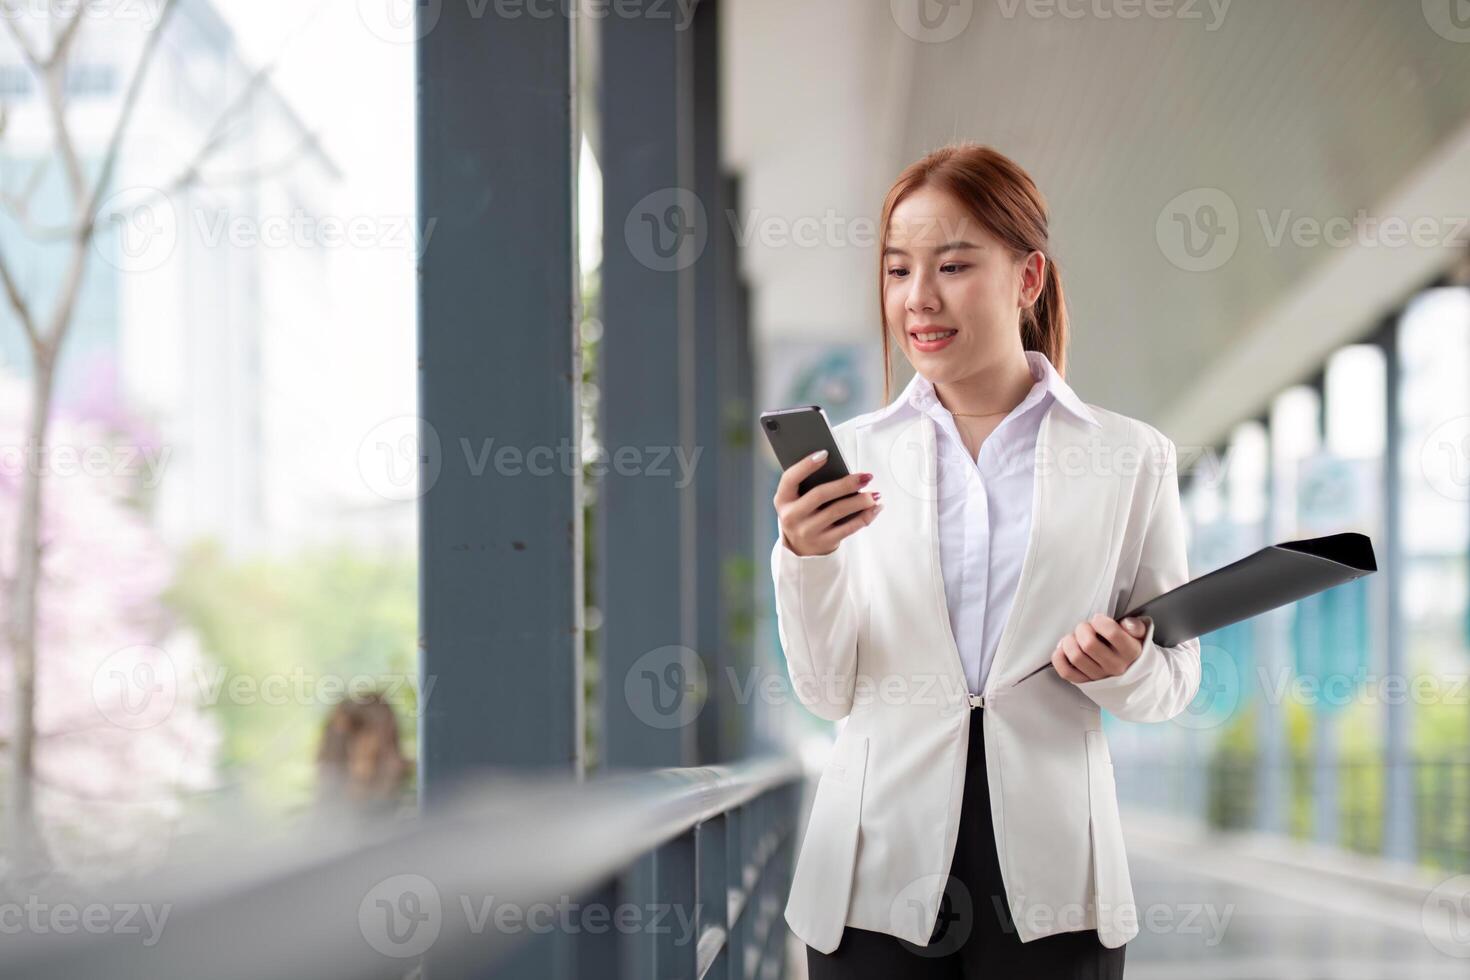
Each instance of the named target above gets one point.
<point>918,395</point>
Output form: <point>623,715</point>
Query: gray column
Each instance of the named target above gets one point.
<point>709,328</point>
<point>1398,787</point>
<point>654,228</point>
<point>737,487</point>
<point>501,547</point>
<point>1325,759</point>
<point>1273,660</point>
<point>499,368</point>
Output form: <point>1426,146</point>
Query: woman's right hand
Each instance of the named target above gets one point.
<point>808,520</point>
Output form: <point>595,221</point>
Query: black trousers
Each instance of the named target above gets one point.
<point>975,935</point>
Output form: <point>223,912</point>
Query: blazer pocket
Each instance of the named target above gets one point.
<point>821,885</point>
<point>1113,888</point>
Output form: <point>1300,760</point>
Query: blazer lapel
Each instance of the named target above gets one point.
<point>904,448</point>
<point>1073,504</point>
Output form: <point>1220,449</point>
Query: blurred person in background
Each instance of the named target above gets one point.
<point>360,767</point>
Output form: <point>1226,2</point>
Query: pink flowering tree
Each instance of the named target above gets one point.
<point>46,39</point>
<point>121,739</point>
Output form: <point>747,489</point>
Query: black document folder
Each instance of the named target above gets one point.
<point>1272,577</point>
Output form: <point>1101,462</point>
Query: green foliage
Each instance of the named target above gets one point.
<point>738,579</point>
<point>284,638</point>
<point>1438,749</point>
<point>1231,771</point>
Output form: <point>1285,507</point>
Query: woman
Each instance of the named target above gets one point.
<point>967,824</point>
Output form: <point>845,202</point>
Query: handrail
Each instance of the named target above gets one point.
<point>313,906</point>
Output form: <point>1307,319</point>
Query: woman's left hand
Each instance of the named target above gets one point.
<point>1100,647</point>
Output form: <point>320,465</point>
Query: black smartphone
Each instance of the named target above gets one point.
<point>795,433</point>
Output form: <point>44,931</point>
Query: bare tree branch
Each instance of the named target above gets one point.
<point>130,101</point>
<point>53,82</point>
<point>71,288</point>
<point>19,305</point>
<point>38,171</point>
<point>66,37</point>
<point>13,16</point>
<point>42,234</point>
<point>51,72</point>
<point>191,174</point>
<point>19,207</point>
<point>309,141</point>
<point>219,130</point>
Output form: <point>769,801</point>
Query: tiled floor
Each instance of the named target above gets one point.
<point>1274,931</point>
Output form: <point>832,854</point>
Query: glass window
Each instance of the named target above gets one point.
<point>1434,487</point>
<point>227,602</point>
<point>1434,475</point>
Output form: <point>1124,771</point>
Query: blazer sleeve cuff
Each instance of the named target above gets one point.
<point>1157,686</point>
<point>787,562</point>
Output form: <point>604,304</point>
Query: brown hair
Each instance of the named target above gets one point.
<point>1004,199</point>
<point>359,760</point>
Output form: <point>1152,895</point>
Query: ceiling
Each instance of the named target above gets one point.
<point>1292,109</point>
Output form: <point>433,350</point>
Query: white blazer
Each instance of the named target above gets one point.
<point>866,635</point>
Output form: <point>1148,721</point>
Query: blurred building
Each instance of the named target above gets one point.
<point>211,268</point>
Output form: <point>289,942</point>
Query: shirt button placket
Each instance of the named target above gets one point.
<point>982,564</point>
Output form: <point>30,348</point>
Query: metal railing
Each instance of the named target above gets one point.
<point>666,873</point>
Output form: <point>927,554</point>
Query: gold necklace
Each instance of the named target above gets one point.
<point>978,415</point>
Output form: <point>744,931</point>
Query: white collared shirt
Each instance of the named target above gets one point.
<point>984,508</point>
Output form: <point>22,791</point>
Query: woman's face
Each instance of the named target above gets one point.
<point>945,273</point>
